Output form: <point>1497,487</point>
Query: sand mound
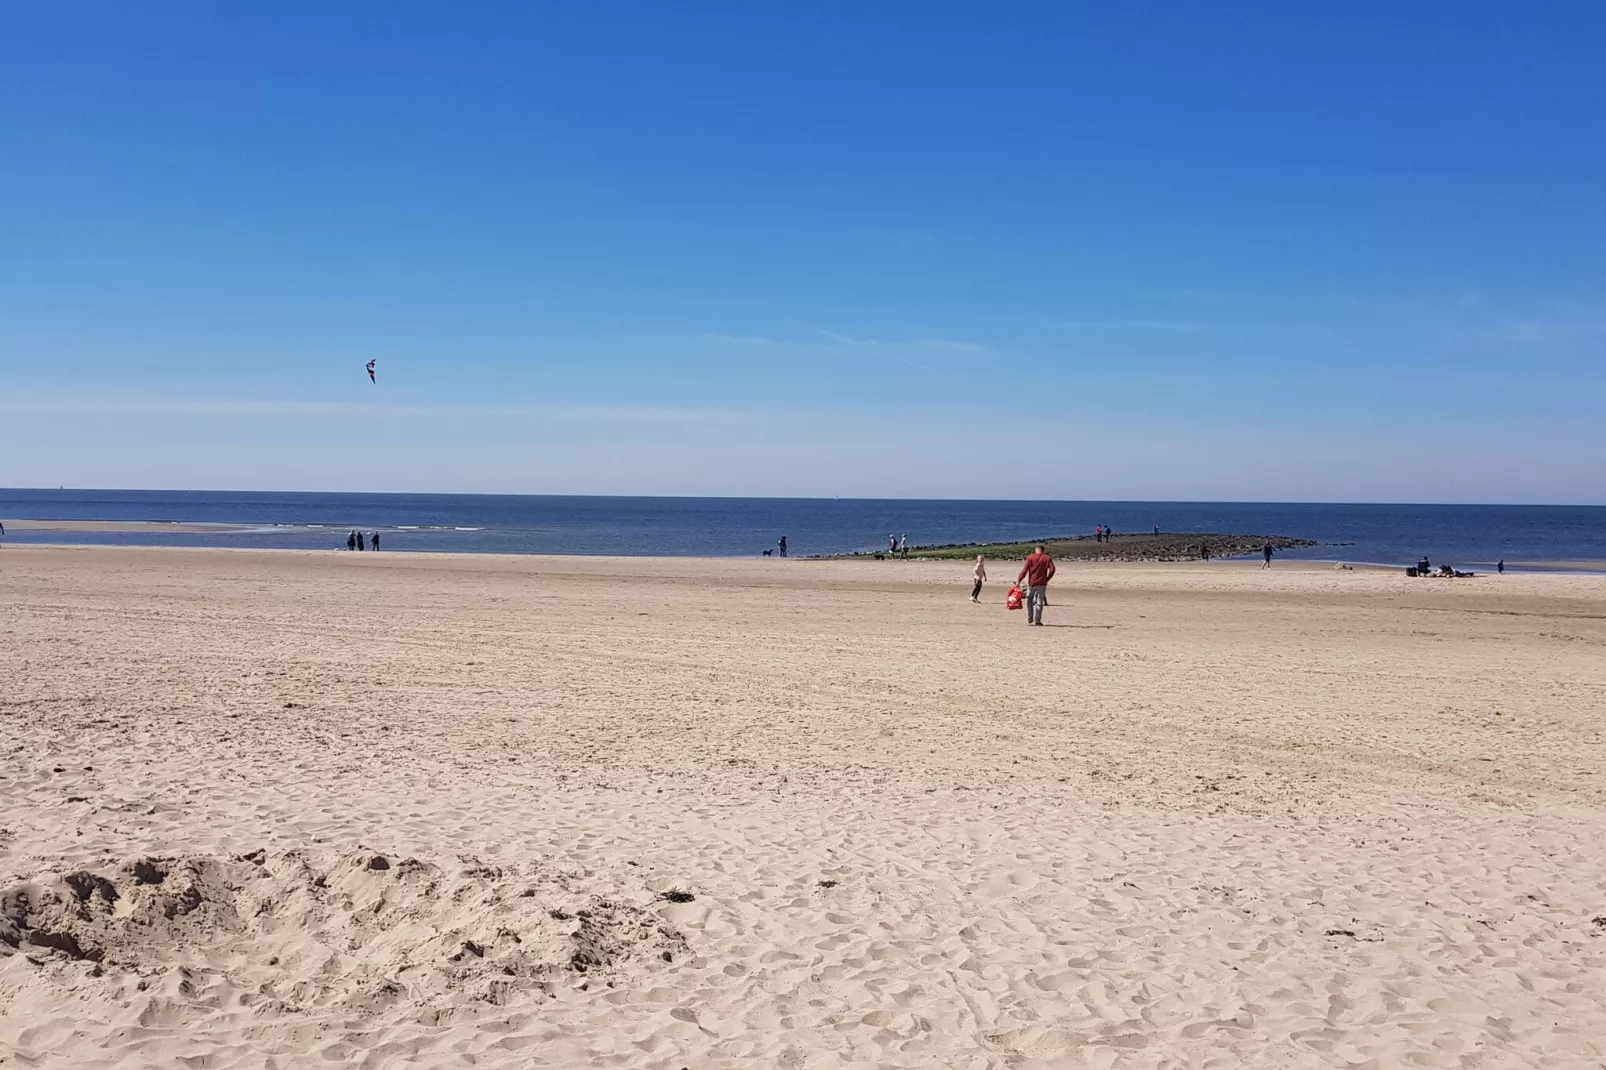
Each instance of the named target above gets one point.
<point>359,931</point>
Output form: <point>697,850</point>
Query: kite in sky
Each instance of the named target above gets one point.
<point>371,378</point>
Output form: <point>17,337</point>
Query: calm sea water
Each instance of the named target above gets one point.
<point>1472,536</point>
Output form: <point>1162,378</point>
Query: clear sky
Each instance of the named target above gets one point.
<point>1204,251</point>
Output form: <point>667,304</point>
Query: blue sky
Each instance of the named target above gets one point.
<point>1247,251</point>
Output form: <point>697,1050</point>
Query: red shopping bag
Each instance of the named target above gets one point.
<point>1014,598</point>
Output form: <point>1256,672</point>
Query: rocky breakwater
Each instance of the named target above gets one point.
<point>1118,548</point>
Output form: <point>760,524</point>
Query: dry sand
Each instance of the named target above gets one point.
<point>266,809</point>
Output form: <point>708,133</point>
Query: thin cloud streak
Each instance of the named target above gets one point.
<point>145,406</point>
<point>830,340</point>
<point>842,339</point>
<point>951,345</point>
<point>887,350</point>
<point>897,350</point>
<point>917,364</point>
<point>1189,327</point>
<point>1124,325</point>
<point>759,340</point>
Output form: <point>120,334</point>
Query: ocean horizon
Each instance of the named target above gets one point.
<point>1469,536</point>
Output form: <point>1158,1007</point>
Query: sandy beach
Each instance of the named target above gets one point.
<point>283,809</point>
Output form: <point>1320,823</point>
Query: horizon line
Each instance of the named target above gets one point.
<point>798,498</point>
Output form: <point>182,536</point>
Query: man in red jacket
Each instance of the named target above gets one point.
<point>1037,571</point>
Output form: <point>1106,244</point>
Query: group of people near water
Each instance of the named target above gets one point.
<point>1424,567</point>
<point>897,546</point>
<point>357,541</point>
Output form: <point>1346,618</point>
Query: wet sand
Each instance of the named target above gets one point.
<point>275,809</point>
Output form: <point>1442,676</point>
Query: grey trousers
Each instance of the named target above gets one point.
<point>1036,599</point>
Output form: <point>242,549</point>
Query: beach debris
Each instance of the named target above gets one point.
<point>676,895</point>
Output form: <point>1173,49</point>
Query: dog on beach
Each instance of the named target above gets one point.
<point>768,552</point>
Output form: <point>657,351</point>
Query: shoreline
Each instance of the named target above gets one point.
<point>893,565</point>
<point>1300,564</point>
<point>735,533</point>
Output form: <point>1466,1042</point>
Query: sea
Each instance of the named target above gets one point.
<point>1468,536</point>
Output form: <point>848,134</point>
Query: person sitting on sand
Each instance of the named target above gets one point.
<point>979,574</point>
<point>1037,571</point>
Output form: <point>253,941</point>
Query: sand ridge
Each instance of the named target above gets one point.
<point>1216,816</point>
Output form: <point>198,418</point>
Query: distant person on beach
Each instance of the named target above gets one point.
<point>373,541</point>
<point>783,545</point>
<point>360,546</point>
<point>1204,551</point>
<point>1157,529</point>
<point>351,540</point>
<point>892,545</point>
<point>1037,571</point>
<point>903,545</point>
<point>979,574</point>
<point>1423,567</point>
<point>1098,532</point>
<point>1266,552</point>
<point>1500,566</point>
